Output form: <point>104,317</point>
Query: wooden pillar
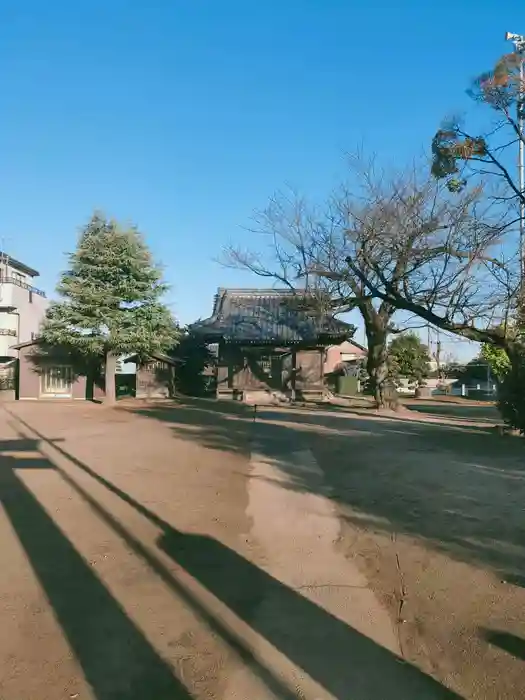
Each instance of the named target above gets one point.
<point>223,378</point>
<point>230,370</point>
<point>294,372</point>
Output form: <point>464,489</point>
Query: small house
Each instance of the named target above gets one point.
<point>51,372</point>
<point>342,367</point>
<point>344,357</point>
<point>155,376</point>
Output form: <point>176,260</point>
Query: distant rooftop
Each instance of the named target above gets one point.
<point>6,259</point>
<point>270,316</point>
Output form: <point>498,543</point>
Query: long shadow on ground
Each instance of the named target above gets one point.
<point>513,645</point>
<point>487,412</point>
<point>342,660</point>
<point>117,660</point>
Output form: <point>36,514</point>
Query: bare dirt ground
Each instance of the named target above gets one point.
<point>434,516</point>
<point>142,558</point>
<point>93,603</point>
<point>138,564</point>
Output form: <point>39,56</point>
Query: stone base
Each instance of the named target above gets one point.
<point>264,397</point>
<point>423,392</point>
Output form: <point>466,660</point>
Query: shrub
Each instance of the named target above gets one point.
<point>511,394</point>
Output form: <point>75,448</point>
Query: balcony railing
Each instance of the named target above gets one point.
<point>7,331</point>
<point>24,285</point>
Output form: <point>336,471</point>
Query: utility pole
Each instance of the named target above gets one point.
<point>519,46</point>
<point>438,356</point>
<point>521,155</point>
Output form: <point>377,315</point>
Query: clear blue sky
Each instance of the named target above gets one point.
<point>185,115</point>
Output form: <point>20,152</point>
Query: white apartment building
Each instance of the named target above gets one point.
<point>22,305</point>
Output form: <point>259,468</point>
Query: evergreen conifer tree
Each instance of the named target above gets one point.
<point>110,299</point>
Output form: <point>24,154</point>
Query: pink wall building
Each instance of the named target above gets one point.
<point>348,352</point>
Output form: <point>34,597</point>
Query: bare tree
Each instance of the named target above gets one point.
<point>458,276</point>
<point>306,252</point>
<point>378,246</point>
<point>462,156</point>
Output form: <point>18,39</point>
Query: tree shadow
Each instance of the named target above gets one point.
<point>116,659</point>
<point>505,640</point>
<point>444,422</point>
<point>456,489</point>
<point>220,427</point>
<point>515,579</point>
<point>338,657</point>
<point>453,417</point>
<point>227,427</point>
<point>458,411</point>
<point>459,491</point>
<point>472,440</point>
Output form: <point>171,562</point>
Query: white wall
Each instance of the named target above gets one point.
<point>30,308</point>
<point>31,316</point>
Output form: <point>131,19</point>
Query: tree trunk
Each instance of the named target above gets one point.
<point>384,391</point>
<point>111,366</point>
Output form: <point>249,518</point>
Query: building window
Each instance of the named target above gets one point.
<point>30,297</point>
<point>57,380</point>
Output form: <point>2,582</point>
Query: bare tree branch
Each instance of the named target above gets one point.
<point>386,243</point>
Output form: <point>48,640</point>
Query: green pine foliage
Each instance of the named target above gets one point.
<point>110,297</point>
